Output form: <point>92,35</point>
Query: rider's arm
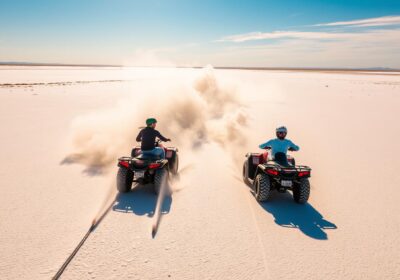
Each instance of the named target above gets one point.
<point>139,137</point>
<point>266,144</point>
<point>293,146</point>
<point>161,137</point>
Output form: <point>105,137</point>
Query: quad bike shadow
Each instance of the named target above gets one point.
<point>303,217</point>
<point>150,176</point>
<point>141,201</point>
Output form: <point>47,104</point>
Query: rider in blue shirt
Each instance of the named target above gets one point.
<point>280,144</point>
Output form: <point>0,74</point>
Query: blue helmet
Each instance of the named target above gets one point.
<point>281,129</point>
<point>281,132</point>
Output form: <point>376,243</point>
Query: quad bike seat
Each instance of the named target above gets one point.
<point>281,159</point>
<point>148,157</point>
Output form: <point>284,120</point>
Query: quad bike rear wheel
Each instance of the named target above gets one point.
<point>124,180</point>
<point>262,186</point>
<point>160,179</point>
<point>301,191</point>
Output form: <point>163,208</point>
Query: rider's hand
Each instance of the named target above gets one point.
<point>291,149</point>
<point>267,148</point>
<point>168,140</point>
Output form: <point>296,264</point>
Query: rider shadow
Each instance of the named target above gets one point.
<point>292,215</point>
<point>140,201</point>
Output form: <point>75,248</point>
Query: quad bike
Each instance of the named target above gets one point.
<point>145,169</point>
<point>281,174</point>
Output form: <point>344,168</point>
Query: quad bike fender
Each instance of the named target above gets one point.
<point>170,153</point>
<point>125,162</point>
<point>251,163</point>
<point>163,162</point>
<point>260,168</point>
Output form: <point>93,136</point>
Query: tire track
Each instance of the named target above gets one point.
<point>78,247</point>
<point>250,204</point>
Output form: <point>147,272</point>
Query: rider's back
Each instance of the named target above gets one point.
<point>148,138</point>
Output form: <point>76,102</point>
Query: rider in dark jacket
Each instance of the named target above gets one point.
<point>147,136</point>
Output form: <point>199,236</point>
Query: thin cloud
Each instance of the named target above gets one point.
<point>316,35</point>
<point>372,48</point>
<point>284,34</point>
<point>369,22</point>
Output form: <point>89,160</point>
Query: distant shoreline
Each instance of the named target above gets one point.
<point>319,69</point>
<point>55,64</point>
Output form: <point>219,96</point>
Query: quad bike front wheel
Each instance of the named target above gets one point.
<point>301,191</point>
<point>175,165</point>
<point>160,179</point>
<point>124,180</point>
<point>245,174</point>
<point>262,187</point>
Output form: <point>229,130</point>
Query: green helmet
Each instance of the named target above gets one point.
<point>150,121</point>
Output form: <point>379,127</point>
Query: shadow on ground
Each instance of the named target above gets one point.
<point>304,217</point>
<point>91,170</point>
<point>141,200</point>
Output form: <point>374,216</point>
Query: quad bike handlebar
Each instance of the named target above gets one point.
<point>290,149</point>
<point>158,141</point>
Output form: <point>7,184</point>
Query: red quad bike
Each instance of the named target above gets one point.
<point>280,174</point>
<point>144,169</point>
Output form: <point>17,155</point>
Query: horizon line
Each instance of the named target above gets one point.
<point>37,64</point>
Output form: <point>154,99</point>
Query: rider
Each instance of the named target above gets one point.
<point>148,138</point>
<point>280,144</point>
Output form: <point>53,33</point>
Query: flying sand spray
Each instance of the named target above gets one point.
<point>200,112</point>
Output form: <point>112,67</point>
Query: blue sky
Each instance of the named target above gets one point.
<point>222,33</point>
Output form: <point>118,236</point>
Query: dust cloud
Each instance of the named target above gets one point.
<point>190,115</point>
